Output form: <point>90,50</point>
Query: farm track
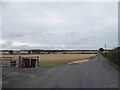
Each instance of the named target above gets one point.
<point>94,73</point>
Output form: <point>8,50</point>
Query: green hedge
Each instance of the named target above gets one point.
<point>113,55</point>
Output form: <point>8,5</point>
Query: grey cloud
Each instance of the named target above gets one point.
<point>60,25</point>
<point>7,44</point>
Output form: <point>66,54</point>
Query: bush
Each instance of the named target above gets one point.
<point>113,55</point>
<point>101,49</point>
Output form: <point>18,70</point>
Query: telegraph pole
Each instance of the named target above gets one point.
<point>105,49</point>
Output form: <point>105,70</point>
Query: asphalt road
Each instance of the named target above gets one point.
<point>0,74</point>
<point>95,73</point>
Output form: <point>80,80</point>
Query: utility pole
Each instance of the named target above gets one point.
<point>105,49</point>
<point>105,46</point>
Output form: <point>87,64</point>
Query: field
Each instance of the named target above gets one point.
<point>48,60</point>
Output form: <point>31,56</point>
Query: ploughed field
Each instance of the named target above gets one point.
<point>53,59</point>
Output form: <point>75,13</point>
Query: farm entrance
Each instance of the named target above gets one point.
<point>21,61</point>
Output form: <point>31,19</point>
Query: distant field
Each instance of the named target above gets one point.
<point>56,57</point>
<point>53,59</point>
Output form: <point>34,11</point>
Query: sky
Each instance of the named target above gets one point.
<point>119,24</point>
<point>59,25</point>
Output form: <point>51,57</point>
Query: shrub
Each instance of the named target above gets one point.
<point>113,55</point>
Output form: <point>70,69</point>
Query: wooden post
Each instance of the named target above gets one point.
<point>38,63</point>
<point>10,62</point>
<point>20,61</point>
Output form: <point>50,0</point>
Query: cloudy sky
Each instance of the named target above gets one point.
<point>59,25</point>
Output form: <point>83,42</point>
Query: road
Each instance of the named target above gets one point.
<point>95,73</point>
<point>0,74</point>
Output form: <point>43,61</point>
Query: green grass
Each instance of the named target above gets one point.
<point>115,66</point>
<point>51,63</point>
<point>111,60</point>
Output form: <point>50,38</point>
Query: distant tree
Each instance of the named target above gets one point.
<point>11,52</point>
<point>29,52</point>
<point>101,49</point>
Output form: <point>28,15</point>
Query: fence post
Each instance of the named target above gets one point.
<point>20,61</point>
<point>38,62</point>
<point>11,62</point>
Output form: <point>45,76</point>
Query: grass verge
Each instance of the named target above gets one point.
<point>51,63</point>
<point>57,63</point>
<point>116,67</point>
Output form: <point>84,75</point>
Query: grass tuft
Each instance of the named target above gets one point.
<point>51,63</point>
